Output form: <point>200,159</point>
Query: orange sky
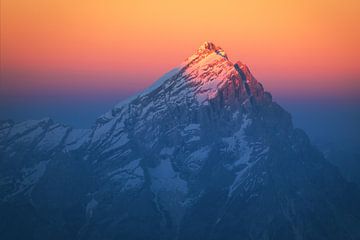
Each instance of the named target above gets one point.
<point>306,47</point>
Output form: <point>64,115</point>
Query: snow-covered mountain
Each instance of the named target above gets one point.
<point>203,153</point>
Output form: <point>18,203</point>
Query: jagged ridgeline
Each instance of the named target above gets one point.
<point>204,153</point>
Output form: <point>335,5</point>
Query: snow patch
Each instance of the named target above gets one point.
<point>164,178</point>
<point>131,175</point>
<point>31,136</point>
<point>90,207</point>
<point>160,81</point>
<point>30,177</point>
<point>238,142</point>
<point>196,159</point>
<point>121,141</point>
<point>52,138</point>
<point>22,127</point>
<point>167,151</point>
<point>76,138</point>
<point>169,189</point>
<point>102,130</point>
<point>192,126</point>
<point>238,139</point>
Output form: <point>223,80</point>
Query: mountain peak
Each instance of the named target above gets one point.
<point>201,77</point>
<point>207,46</point>
<point>211,47</point>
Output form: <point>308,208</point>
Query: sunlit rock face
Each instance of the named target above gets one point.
<point>204,153</point>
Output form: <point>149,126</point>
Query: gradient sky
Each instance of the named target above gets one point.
<point>71,53</point>
<point>293,47</point>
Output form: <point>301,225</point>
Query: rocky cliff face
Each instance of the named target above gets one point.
<point>204,153</point>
